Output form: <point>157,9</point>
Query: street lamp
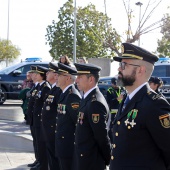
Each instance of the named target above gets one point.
<point>139,4</point>
<point>8,30</point>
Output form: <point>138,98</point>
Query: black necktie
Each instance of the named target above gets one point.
<point>125,102</point>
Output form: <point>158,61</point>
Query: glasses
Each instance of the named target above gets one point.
<point>123,64</point>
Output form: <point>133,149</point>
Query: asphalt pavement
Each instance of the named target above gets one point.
<point>16,148</point>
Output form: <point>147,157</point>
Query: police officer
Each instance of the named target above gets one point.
<point>155,83</point>
<point>49,114</point>
<point>141,128</point>
<point>40,97</point>
<point>92,147</point>
<point>31,96</point>
<point>68,105</point>
<point>115,95</point>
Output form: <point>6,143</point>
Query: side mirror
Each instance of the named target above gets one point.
<point>16,72</point>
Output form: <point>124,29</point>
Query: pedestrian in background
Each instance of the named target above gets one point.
<point>141,128</point>
<point>115,94</point>
<point>65,60</point>
<point>82,60</point>
<point>92,147</point>
<point>49,114</point>
<point>25,87</point>
<point>68,106</point>
<point>156,83</point>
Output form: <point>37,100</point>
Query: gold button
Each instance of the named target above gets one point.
<point>81,154</point>
<point>116,133</point>
<point>114,145</point>
<point>63,137</point>
<point>118,122</point>
<point>129,127</point>
<point>112,157</point>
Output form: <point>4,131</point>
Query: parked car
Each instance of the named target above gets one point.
<point>13,76</point>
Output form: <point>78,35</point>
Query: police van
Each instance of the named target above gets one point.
<point>12,76</point>
<point>162,70</point>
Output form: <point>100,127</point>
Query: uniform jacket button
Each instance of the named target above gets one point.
<point>116,133</point>
<point>81,154</point>
<point>118,122</point>
<point>112,157</point>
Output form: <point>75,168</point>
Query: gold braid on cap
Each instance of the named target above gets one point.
<point>133,56</point>
<point>63,71</point>
<point>52,69</point>
<point>39,71</point>
<point>83,72</point>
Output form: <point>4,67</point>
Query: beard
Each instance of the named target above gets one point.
<point>127,80</point>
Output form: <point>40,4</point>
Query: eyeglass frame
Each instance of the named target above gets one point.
<point>124,64</point>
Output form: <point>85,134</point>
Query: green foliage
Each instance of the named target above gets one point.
<point>164,43</point>
<point>95,35</point>
<point>8,50</point>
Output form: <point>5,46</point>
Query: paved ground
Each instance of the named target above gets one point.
<point>16,149</point>
<point>15,146</point>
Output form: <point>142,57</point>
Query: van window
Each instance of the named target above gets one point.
<point>160,71</point>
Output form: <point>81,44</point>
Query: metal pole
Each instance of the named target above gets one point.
<point>74,47</point>
<point>8,30</point>
<point>139,4</point>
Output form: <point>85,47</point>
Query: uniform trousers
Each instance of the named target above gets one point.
<point>66,163</point>
<point>52,159</point>
<point>42,152</point>
<point>32,129</point>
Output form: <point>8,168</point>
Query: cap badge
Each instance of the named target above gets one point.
<point>122,49</point>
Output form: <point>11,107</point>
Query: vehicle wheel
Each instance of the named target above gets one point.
<point>3,96</point>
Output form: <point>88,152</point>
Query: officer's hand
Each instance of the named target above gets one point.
<point>120,97</point>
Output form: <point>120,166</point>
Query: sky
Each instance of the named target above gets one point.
<point>28,20</point>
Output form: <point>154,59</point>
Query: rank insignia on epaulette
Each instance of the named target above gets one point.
<point>95,118</point>
<point>70,91</point>
<point>75,105</point>
<point>165,120</point>
<point>156,96</point>
<point>93,98</point>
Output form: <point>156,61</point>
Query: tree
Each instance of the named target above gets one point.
<point>133,36</point>
<point>95,35</point>
<point>164,43</point>
<point>8,51</point>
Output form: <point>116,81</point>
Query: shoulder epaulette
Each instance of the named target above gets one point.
<point>70,91</point>
<point>153,95</point>
<point>93,98</point>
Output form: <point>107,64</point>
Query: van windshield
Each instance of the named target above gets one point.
<point>7,70</point>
